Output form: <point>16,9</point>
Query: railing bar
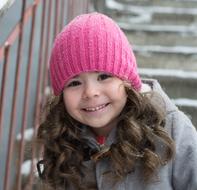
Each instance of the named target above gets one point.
<point>62,19</point>
<point>3,85</point>
<point>15,95</point>
<point>70,10</point>
<point>36,2</point>
<point>56,28</point>
<point>10,40</point>
<point>45,70</point>
<point>59,16</point>
<point>87,6</point>
<point>38,88</point>
<point>41,64</point>
<point>26,99</point>
<point>15,32</point>
<point>84,5</point>
<point>2,52</point>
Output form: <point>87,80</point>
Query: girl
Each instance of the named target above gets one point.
<point>106,128</point>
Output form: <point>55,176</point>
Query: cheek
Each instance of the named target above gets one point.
<point>70,101</point>
<point>120,95</point>
<point>119,91</point>
<point>123,98</point>
<point>70,107</point>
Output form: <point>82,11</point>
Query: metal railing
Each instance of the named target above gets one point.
<point>23,81</point>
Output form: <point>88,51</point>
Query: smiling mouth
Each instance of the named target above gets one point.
<point>92,109</point>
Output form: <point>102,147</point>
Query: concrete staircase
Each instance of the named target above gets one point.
<point>163,35</point>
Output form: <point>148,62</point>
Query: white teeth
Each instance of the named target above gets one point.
<point>96,108</point>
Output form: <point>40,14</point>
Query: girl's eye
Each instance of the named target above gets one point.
<point>104,76</point>
<point>73,83</point>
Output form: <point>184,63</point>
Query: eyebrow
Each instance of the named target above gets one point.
<point>76,76</point>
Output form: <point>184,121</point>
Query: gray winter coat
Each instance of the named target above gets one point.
<point>179,174</point>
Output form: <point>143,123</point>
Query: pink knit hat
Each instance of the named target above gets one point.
<point>92,42</point>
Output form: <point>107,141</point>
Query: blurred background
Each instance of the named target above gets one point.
<point>163,35</point>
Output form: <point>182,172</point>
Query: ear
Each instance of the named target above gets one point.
<point>127,84</point>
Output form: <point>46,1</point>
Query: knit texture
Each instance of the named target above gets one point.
<point>92,42</point>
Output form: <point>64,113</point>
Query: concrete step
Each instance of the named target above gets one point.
<point>178,18</point>
<point>182,29</point>
<point>153,14</point>
<point>166,61</point>
<point>166,3</point>
<point>176,83</point>
<point>164,57</point>
<point>173,17</point>
<point>167,49</point>
<point>140,37</point>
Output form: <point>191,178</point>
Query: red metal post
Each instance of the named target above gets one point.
<point>15,95</point>
<point>3,85</point>
<point>48,34</point>
<point>26,99</point>
<point>38,91</point>
<point>57,17</point>
<point>62,15</point>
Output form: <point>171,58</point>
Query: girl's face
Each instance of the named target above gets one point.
<point>95,99</point>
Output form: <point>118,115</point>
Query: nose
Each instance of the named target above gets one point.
<point>90,90</point>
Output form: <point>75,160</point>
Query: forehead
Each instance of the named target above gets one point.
<point>86,74</point>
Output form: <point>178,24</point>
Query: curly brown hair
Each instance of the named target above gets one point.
<point>140,129</point>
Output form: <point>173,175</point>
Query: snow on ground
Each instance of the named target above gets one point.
<point>187,50</point>
<point>28,135</point>
<point>185,102</point>
<point>26,167</point>
<point>5,4</point>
